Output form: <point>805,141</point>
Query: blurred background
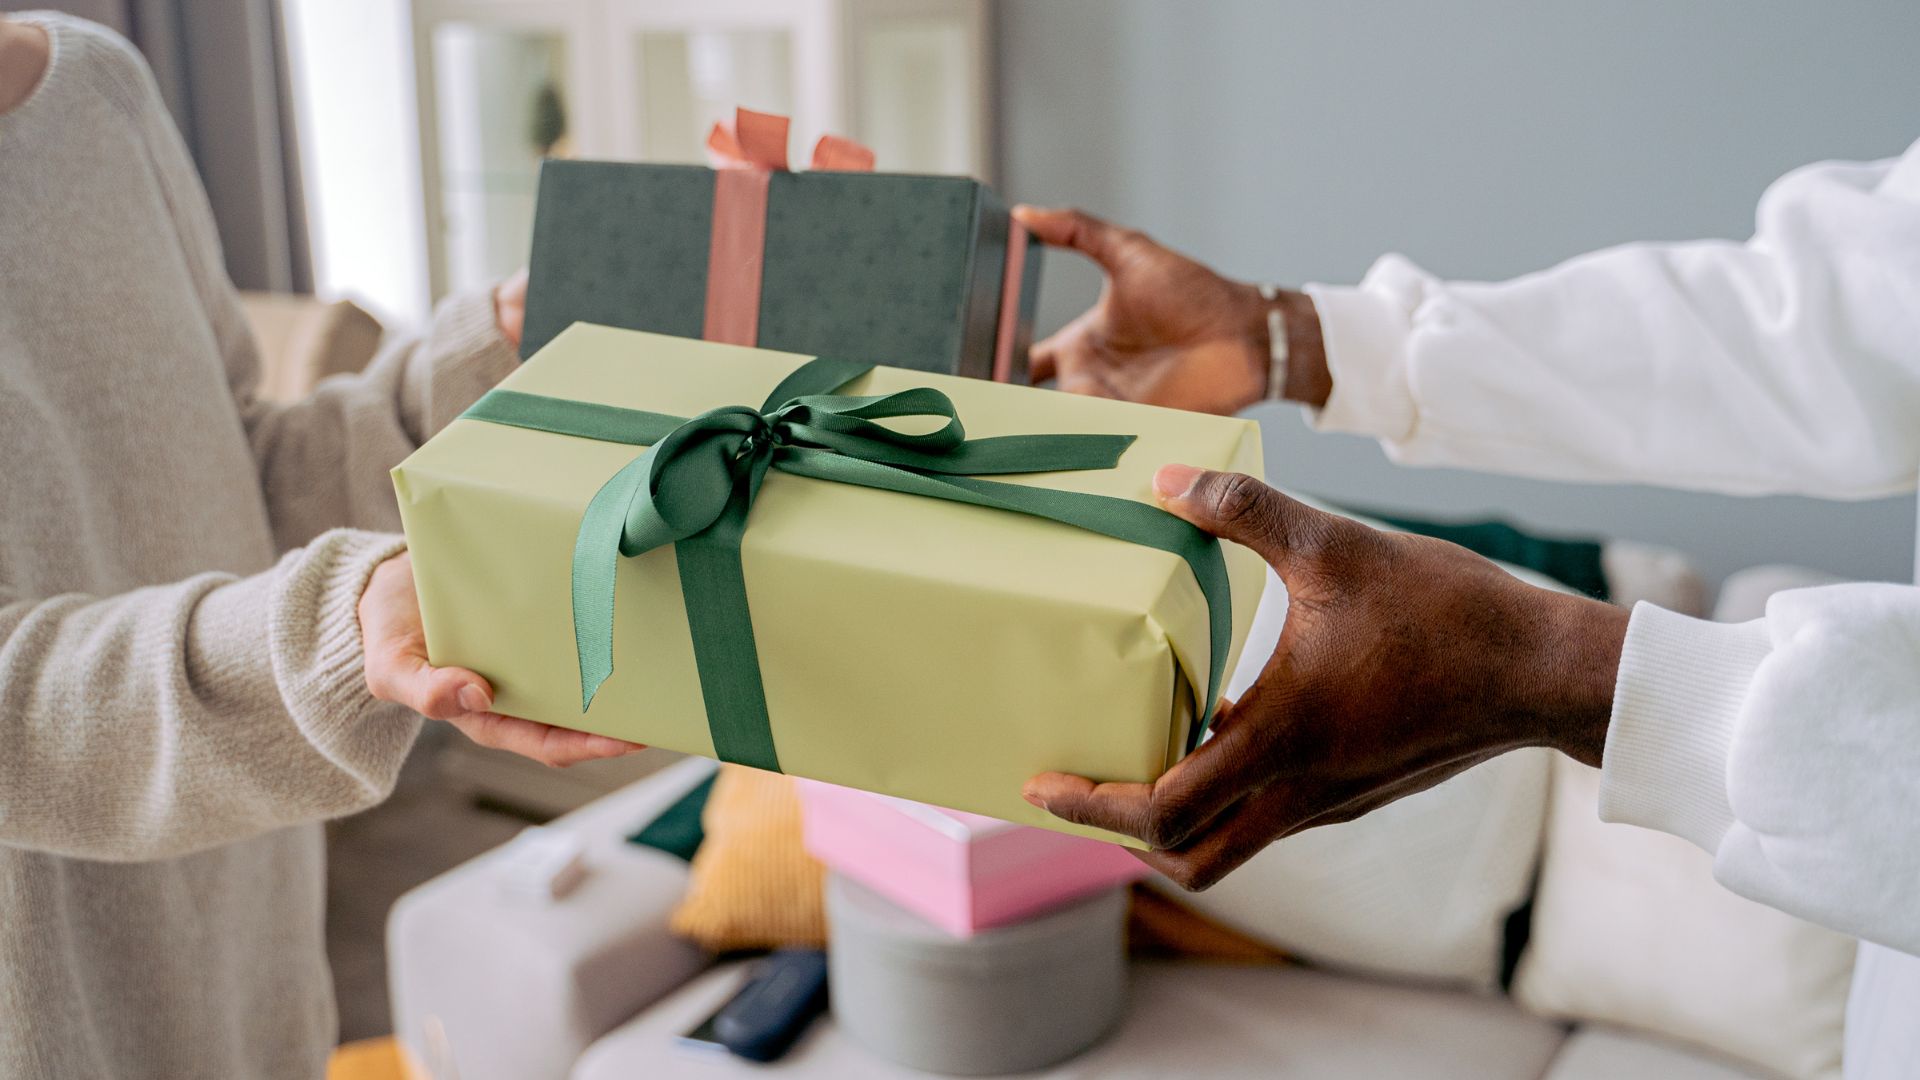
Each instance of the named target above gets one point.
<point>386,151</point>
<point>365,158</point>
<point>1483,138</point>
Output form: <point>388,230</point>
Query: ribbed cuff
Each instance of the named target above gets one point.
<point>1365,336</point>
<point>462,356</point>
<point>320,663</point>
<point>1682,683</point>
<point>316,627</point>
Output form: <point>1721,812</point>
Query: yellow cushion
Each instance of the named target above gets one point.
<point>753,885</point>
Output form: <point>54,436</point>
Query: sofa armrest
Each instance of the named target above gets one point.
<point>489,984</point>
<point>303,340</point>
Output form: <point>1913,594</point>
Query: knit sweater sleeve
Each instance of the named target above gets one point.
<point>180,717</point>
<point>323,460</point>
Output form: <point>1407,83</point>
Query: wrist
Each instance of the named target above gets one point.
<point>1576,661</point>
<point>1306,379</point>
<point>1245,384</point>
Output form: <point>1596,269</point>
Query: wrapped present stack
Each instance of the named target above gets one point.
<point>744,501</point>
<point>924,272</point>
<point>909,583</point>
<point>961,872</point>
<point>951,931</point>
<point>740,502</point>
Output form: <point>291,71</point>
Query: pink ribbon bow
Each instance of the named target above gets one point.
<point>745,154</point>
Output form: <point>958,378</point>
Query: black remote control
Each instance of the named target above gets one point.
<point>787,991</point>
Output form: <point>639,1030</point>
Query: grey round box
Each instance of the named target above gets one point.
<point>1006,1000</point>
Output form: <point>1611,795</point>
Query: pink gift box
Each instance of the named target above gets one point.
<point>962,872</point>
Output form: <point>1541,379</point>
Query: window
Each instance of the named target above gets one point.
<point>423,122</point>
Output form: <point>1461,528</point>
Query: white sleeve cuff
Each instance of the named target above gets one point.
<point>1681,686</point>
<point>1365,335</point>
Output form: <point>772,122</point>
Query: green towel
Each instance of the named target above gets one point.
<point>677,830</point>
<point>1573,563</point>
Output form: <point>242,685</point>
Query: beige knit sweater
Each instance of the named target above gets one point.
<point>181,693</point>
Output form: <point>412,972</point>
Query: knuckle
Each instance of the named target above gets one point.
<point>476,736</point>
<point>432,703</point>
<point>1169,822</point>
<point>1130,237</point>
<point>1196,872</point>
<point>1238,498</point>
<point>1187,874</point>
<point>1344,548</point>
<point>1204,877</point>
<point>481,735</point>
<point>1068,808</point>
<point>382,682</point>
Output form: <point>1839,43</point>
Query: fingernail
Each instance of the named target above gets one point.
<point>1175,481</point>
<point>1033,798</point>
<point>474,699</point>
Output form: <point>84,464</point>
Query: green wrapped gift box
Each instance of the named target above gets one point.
<point>926,272</point>
<point>907,634</point>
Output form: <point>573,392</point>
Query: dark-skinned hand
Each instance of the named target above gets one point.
<point>1166,329</point>
<point>1403,661</point>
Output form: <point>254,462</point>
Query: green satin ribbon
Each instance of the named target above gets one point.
<point>697,479</point>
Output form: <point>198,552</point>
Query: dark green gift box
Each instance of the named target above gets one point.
<point>879,268</point>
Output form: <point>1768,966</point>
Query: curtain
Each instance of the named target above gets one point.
<point>222,69</point>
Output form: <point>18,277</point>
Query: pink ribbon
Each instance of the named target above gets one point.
<point>1009,325</point>
<point>745,155</point>
<point>757,140</point>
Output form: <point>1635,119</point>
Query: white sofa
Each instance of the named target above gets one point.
<point>593,987</point>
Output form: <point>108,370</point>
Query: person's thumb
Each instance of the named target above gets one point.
<point>1236,507</point>
<point>437,693</point>
<point>1076,229</point>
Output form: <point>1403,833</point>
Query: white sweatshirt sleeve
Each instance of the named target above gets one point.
<point>1785,364</point>
<point>1789,747</point>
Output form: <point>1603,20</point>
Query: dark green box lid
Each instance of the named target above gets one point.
<point>877,267</point>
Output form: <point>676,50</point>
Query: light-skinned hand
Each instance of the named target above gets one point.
<point>510,306</point>
<point>398,671</point>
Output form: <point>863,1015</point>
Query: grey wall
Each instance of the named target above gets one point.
<point>1485,138</point>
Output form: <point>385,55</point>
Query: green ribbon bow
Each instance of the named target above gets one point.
<point>697,479</point>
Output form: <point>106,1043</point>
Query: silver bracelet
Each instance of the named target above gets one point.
<point>1276,345</point>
